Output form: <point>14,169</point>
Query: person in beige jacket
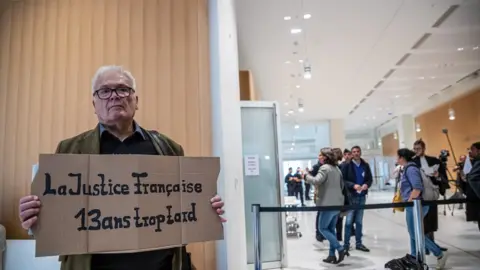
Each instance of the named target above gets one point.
<point>329,183</point>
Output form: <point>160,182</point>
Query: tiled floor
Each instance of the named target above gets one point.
<point>386,236</point>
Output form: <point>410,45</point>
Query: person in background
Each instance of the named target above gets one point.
<point>339,227</point>
<point>289,180</point>
<point>298,189</point>
<point>314,172</point>
<point>330,192</point>
<point>115,101</point>
<point>358,179</point>
<point>473,185</point>
<point>460,182</point>
<point>411,187</point>
<point>430,221</point>
<point>307,186</point>
<point>347,157</point>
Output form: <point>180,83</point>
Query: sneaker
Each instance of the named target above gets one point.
<point>441,261</point>
<point>362,248</point>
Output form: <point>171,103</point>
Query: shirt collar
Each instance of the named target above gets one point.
<point>136,128</point>
<point>356,162</point>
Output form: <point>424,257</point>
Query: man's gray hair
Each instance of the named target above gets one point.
<point>105,69</point>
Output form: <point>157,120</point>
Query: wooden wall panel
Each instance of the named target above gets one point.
<point>463,131</point>
<point>49,51</point>
<point>389,145</point>
<point>247,87</point>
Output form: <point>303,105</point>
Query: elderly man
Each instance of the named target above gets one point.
<point>115,103</point>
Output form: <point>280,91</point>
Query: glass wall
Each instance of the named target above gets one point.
<point>262,178</point>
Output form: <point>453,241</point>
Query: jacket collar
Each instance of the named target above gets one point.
<point>90,144</point>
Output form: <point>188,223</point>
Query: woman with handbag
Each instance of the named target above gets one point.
<point>329,183</point>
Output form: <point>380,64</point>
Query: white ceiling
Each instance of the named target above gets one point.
<point>351,46</point>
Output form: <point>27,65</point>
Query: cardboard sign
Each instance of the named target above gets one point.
<point>124,203</point>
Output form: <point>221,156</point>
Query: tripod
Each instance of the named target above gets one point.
<point>457,194</point>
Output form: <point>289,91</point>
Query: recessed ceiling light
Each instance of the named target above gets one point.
<point>293,144</point>
<point>297,126</point>
<point>290,112</point>
<point>475,48</point>
<point>307,16</point>
<point>397,96</point>
<point>291,149</point>
<point>432,77</point>
<point>300,109</point>
<point>287,18</point>
<point>287,62</point>
<point>286,103</point>
<point>421,78</point>
<point>300,61</point>
<point>459,49</point>
<point>295,31</point>
<point>297,86</point>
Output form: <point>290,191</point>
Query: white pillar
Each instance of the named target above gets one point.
<point>337,133</point>
<point>406,131</point>
<point>227,132</point>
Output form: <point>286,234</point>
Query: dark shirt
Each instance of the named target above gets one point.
<point>139,144</point>
<point>299,177</point>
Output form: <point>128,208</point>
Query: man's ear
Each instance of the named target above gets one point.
<point>93,104</point>
<point>136,103</point>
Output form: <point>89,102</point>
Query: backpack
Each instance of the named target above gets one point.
<point>430,192</point>
<point>406,263</point>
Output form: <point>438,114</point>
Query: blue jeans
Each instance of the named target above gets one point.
<point>429,243</point>
<point>355,200</point>
<point>327,222</point>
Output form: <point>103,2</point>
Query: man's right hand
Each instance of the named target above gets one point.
<point>357,188</point>
<point>29,209</point>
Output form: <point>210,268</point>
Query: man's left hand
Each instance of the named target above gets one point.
<point>217,204</point>
<point>364,187</point>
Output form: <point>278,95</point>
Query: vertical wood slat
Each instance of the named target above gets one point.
<point>49,50</point>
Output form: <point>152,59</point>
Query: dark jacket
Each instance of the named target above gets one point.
<point>473,191</point>
<point>430,221</point>
<point>89,143</point>
<point>349,176</point>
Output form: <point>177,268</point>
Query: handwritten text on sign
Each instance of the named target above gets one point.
<point>109,188</point>
<point>124,203</point>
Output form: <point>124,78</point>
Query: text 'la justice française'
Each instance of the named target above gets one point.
<point>109,188</point>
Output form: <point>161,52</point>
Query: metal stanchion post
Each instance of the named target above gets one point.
<point>256,236</point>
<point>418,227</point>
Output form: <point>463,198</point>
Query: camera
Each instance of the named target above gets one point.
<point>444,154</point>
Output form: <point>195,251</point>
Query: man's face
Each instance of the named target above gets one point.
<point>356,153</point>
<point>298,170</point>
<point>419,150</point>
<point>347,156</point>
<point>474,152</point>
<point>121,105</point>
<point>290,170</point>
<point>462,158</point>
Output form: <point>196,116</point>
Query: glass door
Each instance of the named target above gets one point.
<point>262,180</point>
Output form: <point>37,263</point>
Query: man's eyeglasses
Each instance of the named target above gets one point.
<point>106,93</point>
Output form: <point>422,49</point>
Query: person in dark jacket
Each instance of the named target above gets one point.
<point>430,221</point>
<point>289,180</point>
<point>473,185</point>
<point>358,179</point>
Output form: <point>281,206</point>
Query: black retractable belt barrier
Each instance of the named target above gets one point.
<point>257,209</point>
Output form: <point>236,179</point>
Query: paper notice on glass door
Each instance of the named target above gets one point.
<point>252,166</point>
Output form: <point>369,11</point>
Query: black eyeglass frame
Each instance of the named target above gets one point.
<point>128,93</point>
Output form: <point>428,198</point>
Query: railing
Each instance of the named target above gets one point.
<point>417,216</point>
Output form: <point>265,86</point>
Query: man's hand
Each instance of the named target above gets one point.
<point>364,187</point>
<point>435,174</point>
<point>217,204</point>
<point>29,209</point>
<point>357,187</point>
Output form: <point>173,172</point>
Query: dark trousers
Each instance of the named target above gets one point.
<point>339,228</point>
<point>307,191</point>
<point>291,189</point>
<point>299,192</point>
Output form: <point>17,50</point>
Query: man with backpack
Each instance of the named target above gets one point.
<point>438,178</point>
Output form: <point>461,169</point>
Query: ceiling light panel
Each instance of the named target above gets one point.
<point>295,31</point>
